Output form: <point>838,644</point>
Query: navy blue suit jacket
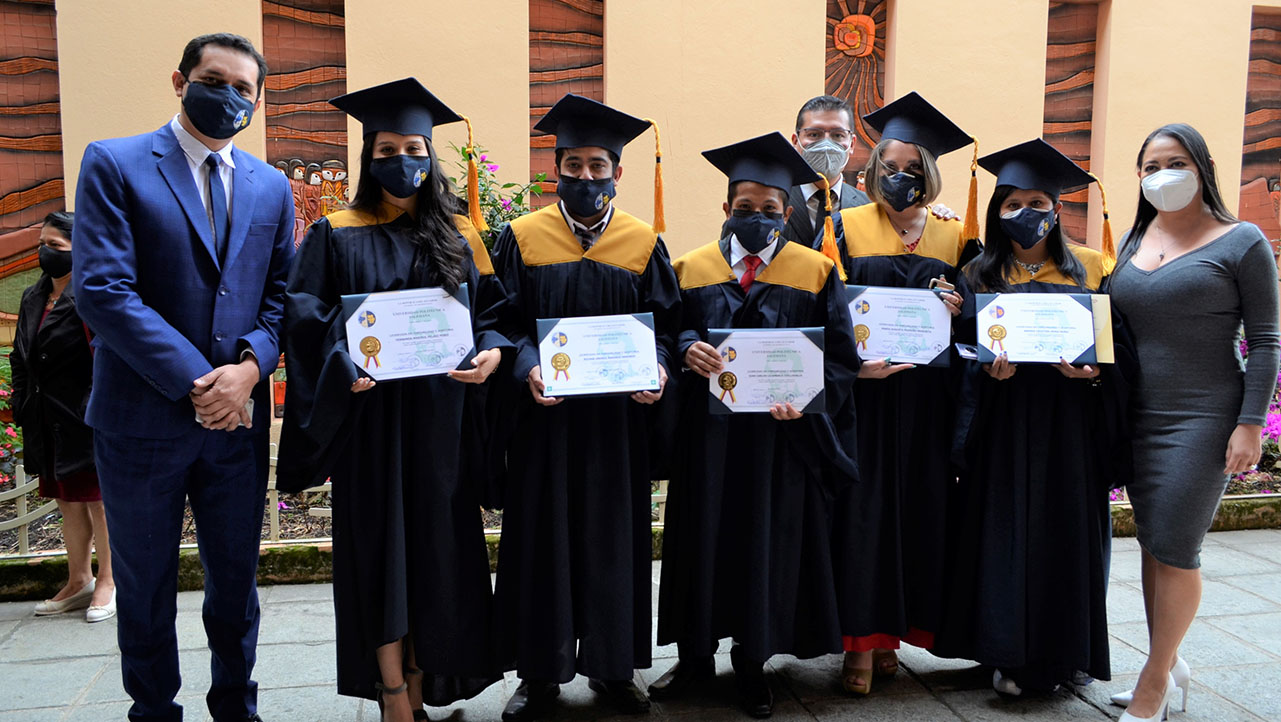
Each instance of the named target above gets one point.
<point>149,284</point>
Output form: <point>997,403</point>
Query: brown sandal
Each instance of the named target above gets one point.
<point>850,677</point>
<point>885,662</point>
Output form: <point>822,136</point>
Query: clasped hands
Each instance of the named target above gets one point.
<point>220,396</point>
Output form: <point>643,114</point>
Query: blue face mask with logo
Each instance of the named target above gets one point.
<point>754,231</point>
<point>218,111</point>
<point>902,190</point>
<point>401,175</point>
<point>585,197</point>
<point>1027,226</point>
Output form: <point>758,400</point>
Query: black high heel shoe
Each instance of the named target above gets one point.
<point>421,712</point>
<point>385,691</point>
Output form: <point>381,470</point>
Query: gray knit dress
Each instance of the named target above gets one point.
<point>1192,390</point>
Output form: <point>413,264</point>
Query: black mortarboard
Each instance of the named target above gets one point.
<point>911,119</point>
<point>1035,165</point>
<point>402,106</point>
<point>578,122</point>
<point>767,159</point>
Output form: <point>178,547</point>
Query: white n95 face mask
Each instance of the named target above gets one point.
<point>1170,189</point>
<point>826,157</point>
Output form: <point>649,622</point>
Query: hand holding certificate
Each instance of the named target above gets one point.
<point>415,332</point>
<point>762,367</point>
<point>591,355</point>
<point>1045,327</point>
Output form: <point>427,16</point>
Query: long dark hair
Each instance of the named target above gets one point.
<point>433,231</point>
<point>988,272</point>
<point>1193,142</point>
<point>61,221</point>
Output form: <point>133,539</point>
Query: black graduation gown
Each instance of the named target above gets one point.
<point>746,550</point>
<point>574,571</point>
<point>409,549</point>
<point>889,530</point>
<point>1027,568</point>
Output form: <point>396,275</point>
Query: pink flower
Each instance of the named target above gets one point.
<point>282,505</point>
<point>9,430</point>
<point>507,204</point>
<point>493,167</point>
<point>483,157</point>
<point>1272,426</point>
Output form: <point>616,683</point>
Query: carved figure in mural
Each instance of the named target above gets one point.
<point>1274,192</point>
<point>283,167</point>
<point>333,186</point>
<point>311,194</point>
<point>296,170</point>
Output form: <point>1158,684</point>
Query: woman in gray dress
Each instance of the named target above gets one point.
<point>1190,274</point>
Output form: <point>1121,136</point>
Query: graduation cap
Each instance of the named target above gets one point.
<point>578,122</point>
<point>767,159</point>
<point>911,119</point>
<point>402,106</point>
<point>1037,165</point>
<point>406,107</point>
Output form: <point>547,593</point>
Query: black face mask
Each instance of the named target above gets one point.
<point>754,231</point>
<point>54,262</point>
<point>1028,226</point>
<point>218,111</point>
<point>902,190</point>
<point>401,175</point>
<point>585,198</point>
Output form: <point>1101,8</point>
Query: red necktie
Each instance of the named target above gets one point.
<point>749,275</point>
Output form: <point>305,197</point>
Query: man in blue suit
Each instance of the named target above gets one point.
<point>182,247</point>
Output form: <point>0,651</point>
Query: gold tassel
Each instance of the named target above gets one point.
<point>473,183</point>
<point>829,233</point>
<point>970,231</point>
<point>1109,246</point>
<point>660,220</point>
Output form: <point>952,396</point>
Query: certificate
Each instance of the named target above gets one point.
<point>1044,327</point>
<point>598,354</point>
<point>766,366</point>
<point>905,325</point>
<point>415,332</point>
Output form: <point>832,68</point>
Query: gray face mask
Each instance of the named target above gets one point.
<point>826,157</point>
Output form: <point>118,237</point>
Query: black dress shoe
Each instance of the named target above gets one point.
<point>683,675</point>
<point>531,701</point>
<point>623,695</point>
<point>753,689</point>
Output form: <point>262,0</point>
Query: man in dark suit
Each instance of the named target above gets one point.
<point>183,244</point>
<point>825,138</point>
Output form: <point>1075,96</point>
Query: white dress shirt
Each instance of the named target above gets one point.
<point>737,253</point>
<point>579,229</point>
<point>196,153</point>
<point>814,198</point>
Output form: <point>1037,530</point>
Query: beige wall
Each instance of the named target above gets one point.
<point>115,61</point>
<point>709,77</point>
<point>1144,82</point>
<point>959,60</point>
<point>473,54</point>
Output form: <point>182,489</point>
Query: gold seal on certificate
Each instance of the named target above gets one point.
<point>727,383</point>
<point>610,354</point>
<point>1044,327</point>
<point>767,366</point>
<point>560,362</point>
<point>370,346</point>
<point>415,332</point>
<point>907,325</point>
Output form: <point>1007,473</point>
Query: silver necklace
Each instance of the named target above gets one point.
<point>1031,268</point>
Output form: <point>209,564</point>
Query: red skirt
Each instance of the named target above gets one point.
<point>81,486</point>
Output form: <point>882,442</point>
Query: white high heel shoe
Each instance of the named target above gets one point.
<point>1163,711</point>
<point>1182,675</point>
<point>79,600</point>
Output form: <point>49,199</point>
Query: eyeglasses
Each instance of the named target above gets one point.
<point>840,136</point>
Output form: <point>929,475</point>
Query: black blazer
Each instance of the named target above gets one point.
<point>52,375</point>
<point>799,229</point>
